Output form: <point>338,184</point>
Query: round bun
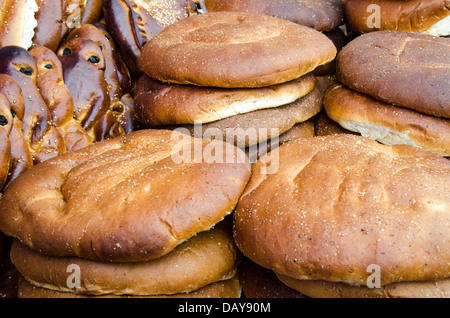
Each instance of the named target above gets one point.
<point>233,49</point>
<point>335,205</point>
<point>229,288</point>
<point>385,123</point>
<point>132,198</point>
<point>322,15</point>
<point>323,289</point>
<point>260,282</point>
<point>159,104</point>
<point>206,258</point>
<point>401,68</point>
<point>399,15</point>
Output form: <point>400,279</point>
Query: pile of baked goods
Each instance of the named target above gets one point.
<point>225,149</point>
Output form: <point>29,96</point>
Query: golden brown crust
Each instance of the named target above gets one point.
<point>57,96</point>
<point>99,99</point>
<point>386,123</point>
<point>224,289</point>
<point>114,196</point>
<point>220,49</point>
<point>19,156</point>
<point>6,124</point>
<point>402,68</point>
<point>172,104</point>
<point>43,138</point>
<point>206,258</point>
<point>323,289</point>
<point>322,15</point>
<point>337,204</point>
<point>396,15</point>
<point>49,24</point>
<point>133,22</point>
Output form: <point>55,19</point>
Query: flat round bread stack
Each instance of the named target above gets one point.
<point>394,88</point>
<point>345,216</point>
<point>218,68</point>
<point>106,208</point>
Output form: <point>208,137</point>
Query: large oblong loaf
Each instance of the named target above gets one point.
<point>233,49</point>
<point>126,199</point>
<point>402,68</point>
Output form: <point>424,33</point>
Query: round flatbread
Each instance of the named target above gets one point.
<point>338,204</point>
<point>406,69</point>
<point>128,199</point>
<point>233,49</point>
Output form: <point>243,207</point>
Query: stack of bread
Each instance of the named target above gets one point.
<point>127,219</point>
<point>210,148</point>
<point>244,78</point>
<point>394,88</point>
<point>345,216</point>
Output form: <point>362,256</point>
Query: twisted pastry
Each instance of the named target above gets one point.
<point>43,138</point>
<point>15,153</point>
<point>100,101</point>
<point>26,23</point>
<point>58,98</point>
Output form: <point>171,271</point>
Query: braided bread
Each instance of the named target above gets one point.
<point>14,150</point>
<point>44,140</point>
<point>98,100</point>
<point>58,98</point>
<point>41,22</point>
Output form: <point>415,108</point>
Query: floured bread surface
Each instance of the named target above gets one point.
<point>204,259</point>
<point>233,49</point>
<point>125,199</point>
<point>338,204</point>
<point>385,123</point>
<point>406,69</point>
<point>159,104</point>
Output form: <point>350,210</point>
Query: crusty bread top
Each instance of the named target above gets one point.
<point>402,68</point>
<point>322,15</point>
<point>338,204</point>
<point>233,49</point>
<point>132,198</point>
<point>395,15</point>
